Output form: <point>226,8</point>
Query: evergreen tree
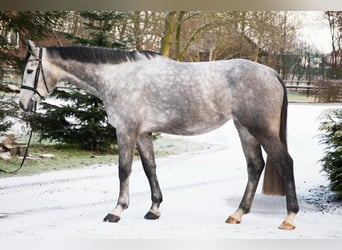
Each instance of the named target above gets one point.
<point>332,138</point>
<point>100,27</point>
<point>82,122</point>
<point>8,109</point>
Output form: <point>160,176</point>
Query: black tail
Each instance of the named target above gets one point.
<point>273,184</point>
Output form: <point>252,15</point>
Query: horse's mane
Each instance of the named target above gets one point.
<point>98,55</point>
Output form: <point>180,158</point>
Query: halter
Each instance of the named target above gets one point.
<point>36,78</point>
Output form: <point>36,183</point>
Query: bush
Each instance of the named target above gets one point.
<point>80,122</point>
<point>331,124</point>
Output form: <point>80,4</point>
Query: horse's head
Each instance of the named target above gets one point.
<point>34,87</point>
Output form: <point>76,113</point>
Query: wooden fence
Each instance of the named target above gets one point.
<point>322,90</point>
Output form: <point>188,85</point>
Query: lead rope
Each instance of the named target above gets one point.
<point>26,150</point>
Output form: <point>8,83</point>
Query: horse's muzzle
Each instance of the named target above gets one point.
<point>29,107</point>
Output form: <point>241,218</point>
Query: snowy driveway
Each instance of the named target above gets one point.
<point>200,190</point>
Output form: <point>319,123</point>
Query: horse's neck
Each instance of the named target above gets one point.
<point>84,76</point>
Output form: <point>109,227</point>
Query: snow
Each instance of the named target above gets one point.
<point>200,188</point>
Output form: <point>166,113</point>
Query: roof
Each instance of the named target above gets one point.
<point>51,38</point>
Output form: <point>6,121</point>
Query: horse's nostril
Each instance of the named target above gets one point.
<point>28,108</point>
<point>22,106</point>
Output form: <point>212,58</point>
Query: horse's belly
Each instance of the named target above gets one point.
<point>189,115</point>
<point>194,127</point>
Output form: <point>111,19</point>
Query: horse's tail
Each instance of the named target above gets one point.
<point>273,184</point>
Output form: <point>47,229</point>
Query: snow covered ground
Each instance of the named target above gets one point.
<point>200,190</point>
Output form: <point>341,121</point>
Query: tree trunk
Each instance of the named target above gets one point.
<point>179,55</point>
<point>137,30</point>
<point>169,29</point>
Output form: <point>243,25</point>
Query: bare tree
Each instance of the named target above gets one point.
<point>335,59</point>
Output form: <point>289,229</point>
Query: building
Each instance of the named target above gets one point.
<point>17,47</point>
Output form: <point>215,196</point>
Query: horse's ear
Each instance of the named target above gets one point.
<point>31,47</point>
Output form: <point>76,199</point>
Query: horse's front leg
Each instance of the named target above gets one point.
<point>145,148</point>
<point>126,144</point>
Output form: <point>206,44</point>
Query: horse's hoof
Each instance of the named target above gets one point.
<point>232,220</point>
<point>151,216</point>
<point>111,218</point>
<point>286,226</point>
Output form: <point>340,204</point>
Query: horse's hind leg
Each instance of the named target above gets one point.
<point>255,165</point>
<point>283,163</point>
<point>145,148</point>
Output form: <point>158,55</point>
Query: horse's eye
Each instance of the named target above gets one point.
<point>29,71</point>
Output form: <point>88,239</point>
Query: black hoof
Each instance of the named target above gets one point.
<point>111,218</point>
<point>151,216</point>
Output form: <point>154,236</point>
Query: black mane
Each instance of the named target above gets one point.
<point>97,55</point>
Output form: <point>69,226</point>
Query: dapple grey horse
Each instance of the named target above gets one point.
<point>144,92</point>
